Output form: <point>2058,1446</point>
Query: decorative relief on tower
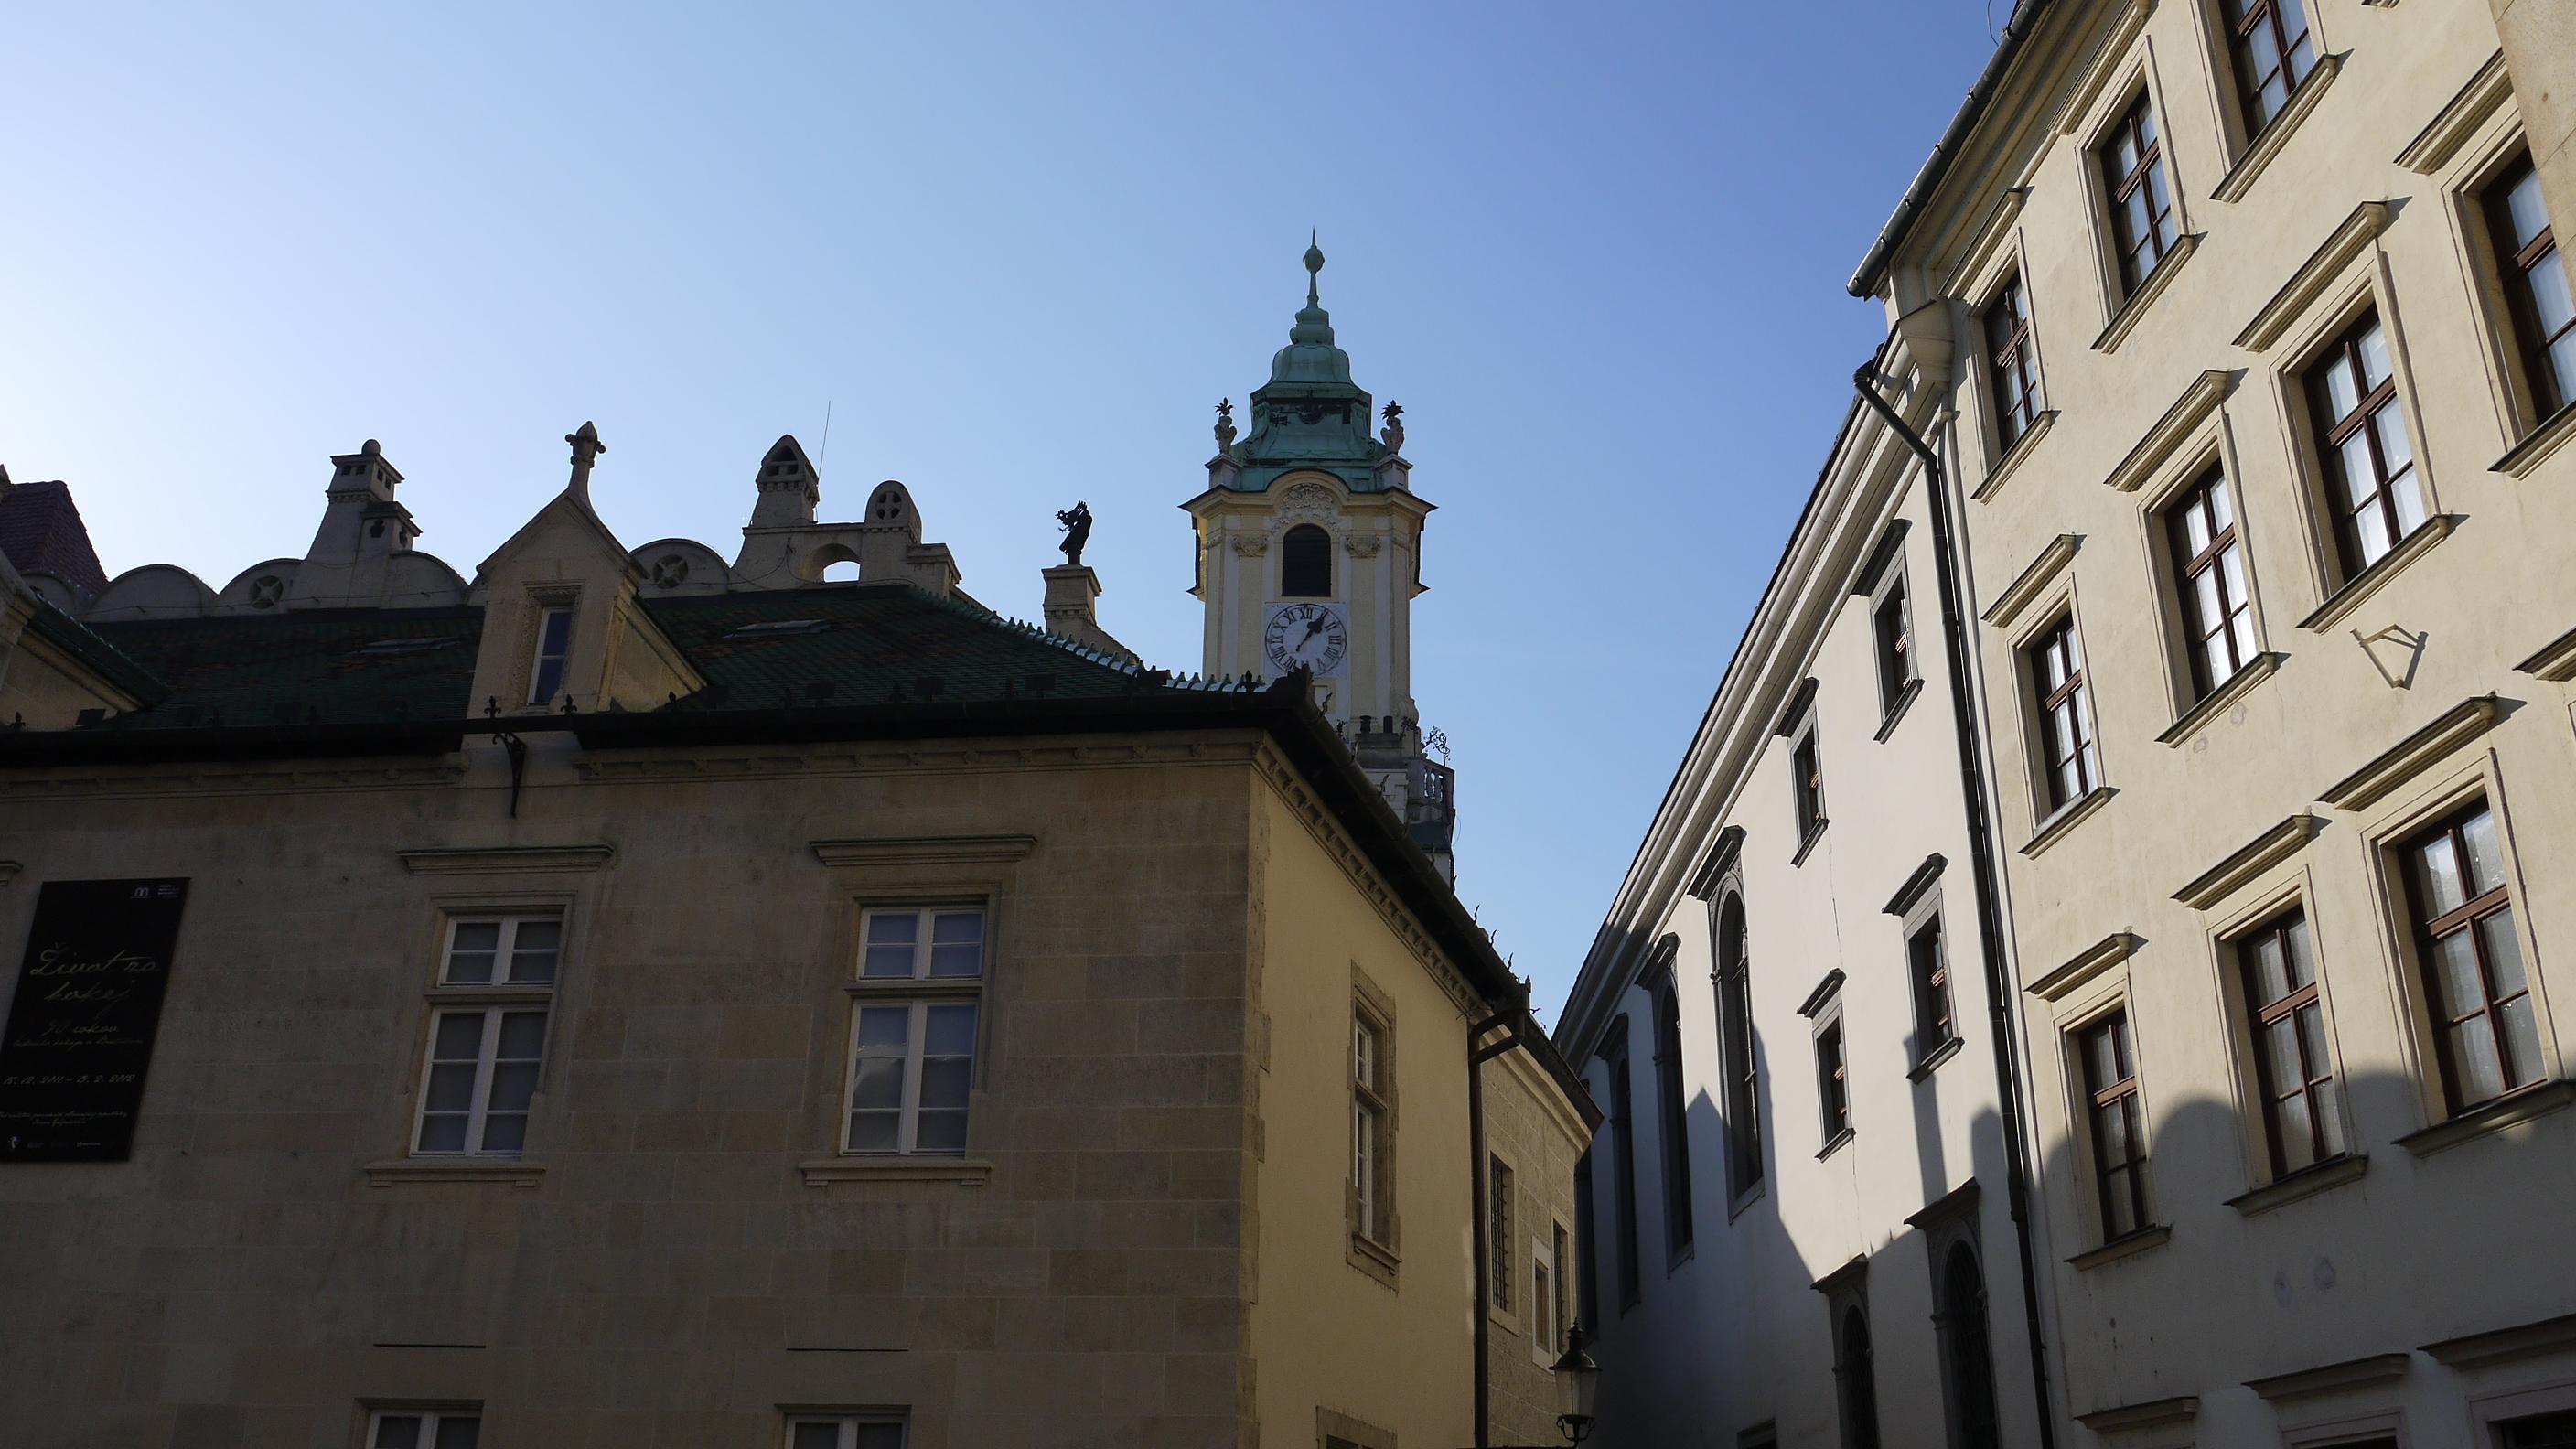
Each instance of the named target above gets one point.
<point>1250,545</point>
<point>1361,545</point>
<point>1308,503</point>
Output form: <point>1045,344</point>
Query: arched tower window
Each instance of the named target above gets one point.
<point>1856,1382</point>
<point>1306,563</point>
<point>1972,1375</point>
<point>1735,1032</point>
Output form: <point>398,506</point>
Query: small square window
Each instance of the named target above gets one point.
<point>1833,1084</point>
<point>2273,53</point>
<point>2209,570</point>
<point>2070,767</point>
<point>2539,301</point>
<point>1927,961</point>
<point>2012,362</point>
<point>2117,1124</point>
<point>1807,782</point>
<point>2375,494</point>
<point>2144,226</point>
<point>2294,1063</point>
<point>553,651</point>
<point>845,1431</point>
<point>2460,905</point>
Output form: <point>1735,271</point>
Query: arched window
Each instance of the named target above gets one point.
<point>1735,1032</point>
<point>1856,1383</point>
<point>1669,1105</point>
<point>1306,563</point>
<point>1972,1374</point>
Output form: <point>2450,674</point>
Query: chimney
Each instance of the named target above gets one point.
<point>789,487</point>
<point>1071,591</point>
<point>362,527</point>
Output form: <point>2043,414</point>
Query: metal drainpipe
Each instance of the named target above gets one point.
<point>1477,1056</point>
<point>1981,860</point>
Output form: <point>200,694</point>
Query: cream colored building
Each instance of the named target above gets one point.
<point>1803,1198</point>
<point>636,997</point>
<point>2248,331</point>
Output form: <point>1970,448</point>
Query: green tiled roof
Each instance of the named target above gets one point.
<point>886,644</point>
<point>303,668</point>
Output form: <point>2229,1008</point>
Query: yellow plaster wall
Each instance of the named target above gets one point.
<point>1322,1329</point>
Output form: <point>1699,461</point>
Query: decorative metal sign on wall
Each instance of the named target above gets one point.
<point>82,1022</point>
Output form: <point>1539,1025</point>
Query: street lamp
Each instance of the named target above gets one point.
<point>1578,1379</point>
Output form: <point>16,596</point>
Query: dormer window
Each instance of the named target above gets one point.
<point>1306,563</point>
<point>554,645</point>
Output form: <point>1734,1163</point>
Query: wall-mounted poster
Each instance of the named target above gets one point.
<point>81,1025</point>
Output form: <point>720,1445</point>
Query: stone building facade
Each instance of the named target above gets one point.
<point>635,997</point>
<point>2235,337</point>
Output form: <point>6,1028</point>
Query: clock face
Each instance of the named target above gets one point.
<point>1305,636</point>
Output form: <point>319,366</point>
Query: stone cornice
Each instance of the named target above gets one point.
<point>2414,754</point>
<point>506,859</point>
<point>2088,963</point>
<point>2033,581</point>
<point>924,849</point>
<point>145,782</point>
<point>1275,770</point>
<point>2339,250</point>
<point>2378,1368</point>
<point>925,758</point>
<point>2459,119</point>
<point>2198,403</point>
<point>2249,860</point>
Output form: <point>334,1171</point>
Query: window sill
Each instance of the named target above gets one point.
<point>2010,462</point>
<point>2308,1181</point>
<point>2217,701</point>
<point>963,1171</point>
<point>1896,711</point>
<point>2121,1247</point>
<point>1835,1143</point>
<point>1815,833</point>
<point>1679,1258</point>
<point>501,1171</point>
<point>2069,815</point>
<point>2536,445</point>
<point>1934,1058</point>
<point>2125,321</point>
<point>2240,177</point>
<point>2372,579</point>
<point>1742,1201</point>
<point>2486,1118</point>
<point>1373,1258</point>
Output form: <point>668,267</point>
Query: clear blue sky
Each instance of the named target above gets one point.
<point>1596,250</point>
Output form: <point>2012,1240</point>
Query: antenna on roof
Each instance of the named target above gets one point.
<point>827,434</point>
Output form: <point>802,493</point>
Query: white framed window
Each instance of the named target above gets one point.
<point>1548,1296</point>
<point>1368,1125</point>
<point>425,1428</point>
<point>914,1024</point>
<point>845,1431</point>
<point>487,1033</point>
<point>554,646</point>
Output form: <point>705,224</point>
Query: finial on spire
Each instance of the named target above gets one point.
<point>1314,265</point>
<point>586,448</point>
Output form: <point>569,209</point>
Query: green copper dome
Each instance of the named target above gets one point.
<point>1310,414</point>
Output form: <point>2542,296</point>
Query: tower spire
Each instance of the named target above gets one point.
<point>1314,324</point>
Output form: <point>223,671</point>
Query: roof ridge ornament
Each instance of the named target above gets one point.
<point>586,448</point>
<point>1314,324</point>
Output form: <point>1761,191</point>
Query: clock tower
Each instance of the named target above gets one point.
<point>1309,557</point>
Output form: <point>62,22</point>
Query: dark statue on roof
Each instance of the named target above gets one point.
<point>1393,435</point>
<point>1077,531</point>
<point>1225,431</point>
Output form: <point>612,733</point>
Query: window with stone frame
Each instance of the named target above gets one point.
<point>1587,1254</point>
<point>1892,632</point>
<point>553,652</point>
<point>2375,494</point>
<point>1498,1229</point>
<point>1672,1110</point>
<point>1623,1159</point>
<point>2538,298</point>
<point>1833,1082</point>
<point>1967,1351</point>
<point>1736,1040</point>
<point>2273,53</point>
<point>1807,783</point>
<point>845,1431</point>
<point>2070,767</point>
<point>2115,1123</point>
<point>1927,970</point>
<point>1549,1299</point>
<point>487,1032</point>
<point>1855,1377</point>
<point>2144,225</point>
<point>2012,362</point>
<point>2294,1063</point>
<point>2208,554</point>
<point>1372,1066</point>
<point>916,1004</point>
<point>2538,1431</point>
<point>449,1428</point>
<point>2486,1031</point>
